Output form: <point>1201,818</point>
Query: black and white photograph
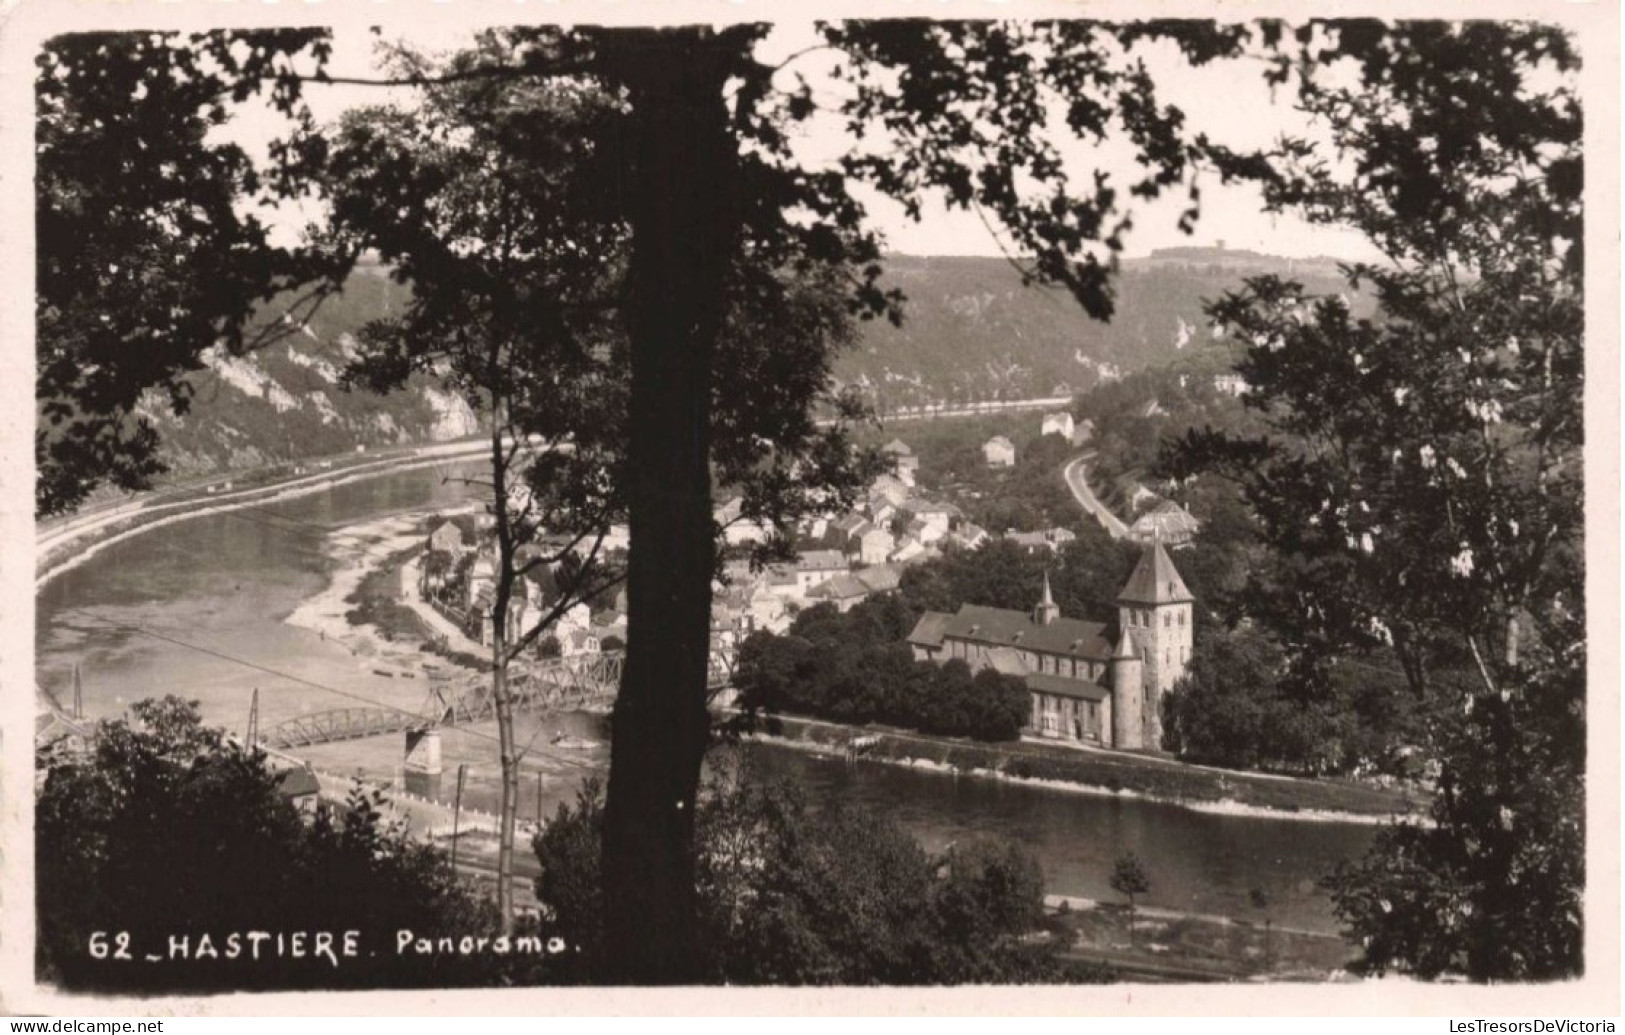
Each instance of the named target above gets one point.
<point>1056,499</point>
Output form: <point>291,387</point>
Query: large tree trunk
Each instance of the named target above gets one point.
<point>507,747</point>
<point>684,232</point>
<point>510,779</point>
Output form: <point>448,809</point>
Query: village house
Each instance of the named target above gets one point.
<point>845,591</point>
<point>452,536</point>
<point>937,519</point>
<point>969,536</point>
<point>843,528</point>
<point>810,568</point>
<point>1095,682</point>
<point>1167,523</point>
<point>998,451</point>
<point>1231,384</point>
<point>1057,424</point>
<point>903,461</point>
<point>736,528</point>
<point>882,513</point>
<point>869,544</point>
<point>889,489</point>
<point>908,549</point>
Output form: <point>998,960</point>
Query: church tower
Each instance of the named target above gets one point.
<point>1046,611</point>
<point>1154,608</point>
<point>1128,695</point>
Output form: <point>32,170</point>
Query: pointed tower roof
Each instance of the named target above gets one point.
<point>1125,647</point>
<point>1046,612</point>
<point>1155,580</point>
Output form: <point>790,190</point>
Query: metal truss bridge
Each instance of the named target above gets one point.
<point>554,684</point>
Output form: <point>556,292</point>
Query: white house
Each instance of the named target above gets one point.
<point>1057,424</point>
<point>998,451</point>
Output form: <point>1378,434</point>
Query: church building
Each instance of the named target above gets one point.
<point>1089,681</point>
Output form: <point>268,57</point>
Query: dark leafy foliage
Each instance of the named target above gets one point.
<point>169,832</point>
<point>793,895</point>
<point>146,258</point>
<point>854,668</point>
<point>1243,704</point>
<point>1494,887</point>
<point>1426,461</point>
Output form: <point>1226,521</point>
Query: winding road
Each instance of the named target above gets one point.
<point>1076,475</point>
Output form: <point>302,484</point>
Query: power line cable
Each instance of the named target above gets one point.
<point>143,630</point>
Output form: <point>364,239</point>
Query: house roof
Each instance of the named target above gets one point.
<point>848,523</point>
<point>820,560</point>
<point>995,626</point>
<point>450,525</point>
<point>841,587</point>
<point>927,553</point>
<point>880,578</point>
<point>1083,689</point>
<point>920,508</point>
<point>1166,521</point>
<point>1155,580</point>
<point>1005,661</point>
<point>998,441</point>
<point>897,447</point>
<point>928,630</point>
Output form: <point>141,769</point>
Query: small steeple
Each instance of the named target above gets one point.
<point>1046,611</point>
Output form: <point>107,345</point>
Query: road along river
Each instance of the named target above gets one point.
<point>200,608</point>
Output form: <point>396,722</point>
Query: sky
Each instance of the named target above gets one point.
<point>1228,100</point>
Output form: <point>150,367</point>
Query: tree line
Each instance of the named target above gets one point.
<point>855,668</point>
<point>685,215</point>
<point>166,839</point>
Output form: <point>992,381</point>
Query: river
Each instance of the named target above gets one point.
<point>197,609</point>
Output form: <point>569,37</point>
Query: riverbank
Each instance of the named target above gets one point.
<point>357,552</point>
<point>1097,772</point>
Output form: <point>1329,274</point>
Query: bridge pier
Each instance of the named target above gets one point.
<point>423,766</point>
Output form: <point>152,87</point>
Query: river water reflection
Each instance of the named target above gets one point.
<point>197,609</point>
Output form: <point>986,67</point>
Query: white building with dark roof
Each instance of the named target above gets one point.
<point>1089,681</point>
<point>1057,424</point>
